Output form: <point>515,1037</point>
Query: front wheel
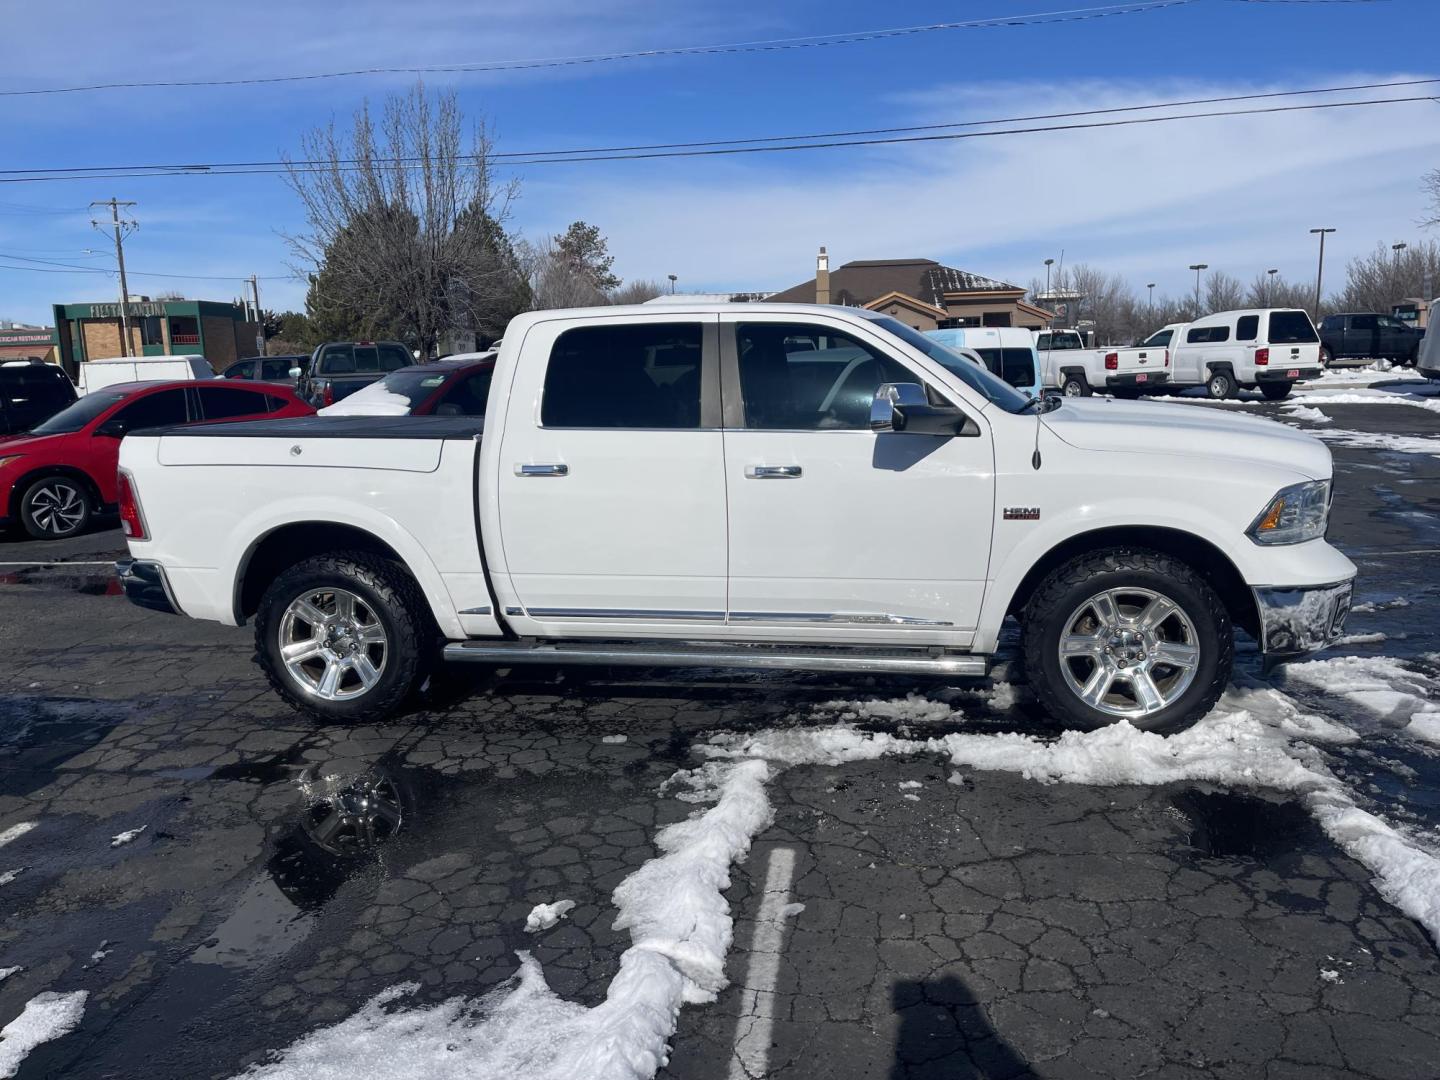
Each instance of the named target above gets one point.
<point>1221,385</point>
<point>55,507</point>
<point>344,636</point>
<point>1275,391</point>
<point>1127,634</point>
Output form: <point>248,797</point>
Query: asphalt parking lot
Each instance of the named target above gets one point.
<point>907,915</point>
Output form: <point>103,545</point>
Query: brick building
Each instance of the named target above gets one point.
<point>220,332</point>
<point>27,342</point>
<point>921,292</point>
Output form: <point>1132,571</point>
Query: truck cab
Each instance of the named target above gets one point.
<point>1368,336</point>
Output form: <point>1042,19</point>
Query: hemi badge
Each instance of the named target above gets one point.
<point>1022,513</point>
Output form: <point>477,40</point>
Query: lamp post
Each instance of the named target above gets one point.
<point>1270,291</point>
<point>1319,267</point>
<point>1150,303</point>
<point>672,283</point>
<point>1397,249</point>
<point>1048,298</point>
<point>1198,267</point>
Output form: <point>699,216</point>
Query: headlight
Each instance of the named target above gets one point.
<point>1298,513</point>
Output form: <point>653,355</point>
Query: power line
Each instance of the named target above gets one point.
<point>306,164</point>
<point>50,266</point>
<point>1044,18</point>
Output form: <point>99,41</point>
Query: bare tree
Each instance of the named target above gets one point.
<point>1223,292</point>
<point>1430,184</point>
<point>1380,279</point>
<point>553,280</point>
<point>637,292</point>
<point>406,224</point>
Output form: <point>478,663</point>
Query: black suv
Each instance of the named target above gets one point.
<point>30,393</point>
<point>1367,335</point>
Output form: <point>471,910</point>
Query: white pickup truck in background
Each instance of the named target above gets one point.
<point>756,486</point>
<point>1078,371</point>
<point>1266,348</point>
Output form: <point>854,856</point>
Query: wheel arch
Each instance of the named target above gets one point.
<point>275,551</point>
<point>1208,560</point>
<point>39,472</point>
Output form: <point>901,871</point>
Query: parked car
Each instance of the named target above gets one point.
<point>1370,336</point>
<point>1268,348</point>
<point>456,386</point>
<point>53,479</point>
<point>98,374</point>
<point>1077,371</point>
<point>696,490</point>
<point>339,368</point>
<point>267,369</point>
<point>1428,362</point>
<point>1007,351</point>
<point>29,393</point>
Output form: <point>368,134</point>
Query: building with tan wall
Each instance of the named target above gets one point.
<point>28,342</point>
<point>220,332</point>
<point>919,292</point>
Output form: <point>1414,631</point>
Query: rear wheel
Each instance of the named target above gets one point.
<point>1127,634</point>
<point>345,636</point>
<point>1326,357</point>
<point>1075,386</point>
<point>1221,385</point>
<point>54,507</point>
<point>1276,391</point>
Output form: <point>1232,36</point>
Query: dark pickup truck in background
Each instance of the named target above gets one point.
<point>339,368</point>
<point>1369,336</point>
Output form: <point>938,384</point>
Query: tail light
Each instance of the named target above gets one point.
<point>327,396</point>
<point>132,518</point>
<point>1167,357</point>
<point>1112,361</point>
<point>1262,357</point>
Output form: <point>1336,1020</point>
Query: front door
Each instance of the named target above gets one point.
<point>612,483</point>
<point>837,532</point>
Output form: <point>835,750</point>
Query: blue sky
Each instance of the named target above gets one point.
<point>1237,193</point>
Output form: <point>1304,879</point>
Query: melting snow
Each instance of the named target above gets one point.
<point>544,916</point>
<point>1381,686</point>
<point>16,831</point>
<point>10,875</point>
<point>5,973</point>
<point>120,839</point>
<point>1371,440</point>
<point>47,1016</point>
<point>613,738</point>
<point>1304,412</point>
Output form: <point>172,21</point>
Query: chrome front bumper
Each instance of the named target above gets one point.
<point>1294,621</point>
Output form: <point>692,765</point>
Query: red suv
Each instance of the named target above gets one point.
<point>54,476</point>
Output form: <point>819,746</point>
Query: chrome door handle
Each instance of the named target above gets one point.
<point>542,470</point>
<point>773,472</point>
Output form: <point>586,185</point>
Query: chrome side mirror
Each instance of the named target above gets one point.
<point>906,407</point>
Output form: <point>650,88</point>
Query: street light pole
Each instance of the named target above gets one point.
<point>1270,292</point>
<point>1048,298</point>
<point>672,283</point>
<point>1320,267</point>
<point>1198,267</point>
<point>1150,306</point>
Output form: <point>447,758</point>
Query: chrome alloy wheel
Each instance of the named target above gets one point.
<point>1129,652</point>
<point>58,507</point>
<point>333,644</point>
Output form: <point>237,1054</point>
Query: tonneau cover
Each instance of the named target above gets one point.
<point>331,427</point>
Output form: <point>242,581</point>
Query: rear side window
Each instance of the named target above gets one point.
<point>154,410</point>
<point>224,402</point>
<point>1247,328</point>
<point>640,376</point>
<point>278,368</point>
<point>1015,366</point>
<point>1291,328</point>
<point>245,369</point>
<point>36,388</point>
<point>338,360</point>
<point>393,357</point>
<point>1207,335</point>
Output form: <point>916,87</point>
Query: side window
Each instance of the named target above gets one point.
<point>1207,335</point>
<point>1333,322</point>
<point>1247,328</point>
<point>225,403</point>
<point>154,410</point>
<point>274,369</point>
<point>1362,322</point>
<point>467,397</point>
<point>245,369</point>
<point>809,378</point>
<point>638,376</point>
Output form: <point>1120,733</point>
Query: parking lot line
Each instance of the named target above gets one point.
<point>755,1025</point>
<point>62,562</point>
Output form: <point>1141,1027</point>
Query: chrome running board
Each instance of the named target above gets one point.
<point>712,655</point>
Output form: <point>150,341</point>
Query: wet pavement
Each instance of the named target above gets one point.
<point>977,924</point>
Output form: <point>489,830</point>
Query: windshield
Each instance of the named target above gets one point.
<point>78,415</point>
<point>979,380</point>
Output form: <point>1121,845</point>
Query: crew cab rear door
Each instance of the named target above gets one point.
<point>611,481</point>
<point>839,533</point>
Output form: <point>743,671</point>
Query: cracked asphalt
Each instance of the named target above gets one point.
<point>971,925</point>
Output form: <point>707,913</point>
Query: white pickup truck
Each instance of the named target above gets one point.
<point>758,486</point>
<point>1266,348</point>
<point>1077,371</point>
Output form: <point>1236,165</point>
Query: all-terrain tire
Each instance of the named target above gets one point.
<point>389,591</point>
<point>1069,587</point>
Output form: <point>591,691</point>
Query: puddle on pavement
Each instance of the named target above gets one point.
<point>264,925</point>
<point>86,580</point>
<point>1228,825</point>
<point>38,734</point>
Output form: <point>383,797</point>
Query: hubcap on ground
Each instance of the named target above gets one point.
<point>1129,652</point>
<point>332,644</point>
<point>57,507</point>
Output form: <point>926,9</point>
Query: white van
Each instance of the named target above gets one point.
<point>96,374</point>
<point>1007,351</point>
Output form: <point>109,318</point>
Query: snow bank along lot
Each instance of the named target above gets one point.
<point>765,877</point>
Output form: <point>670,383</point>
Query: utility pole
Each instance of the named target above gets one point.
<point>259,319</point>
<point>121,227</point>
<point>1198,267</point>
<point>1320,267</point>
<point>1270,292</point>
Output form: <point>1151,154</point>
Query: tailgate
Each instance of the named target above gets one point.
<point>1140,361</point>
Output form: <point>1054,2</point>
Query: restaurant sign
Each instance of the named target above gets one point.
<point>27,337</point>
<point>134,310</point>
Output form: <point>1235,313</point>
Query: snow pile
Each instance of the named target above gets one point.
<point>1377,397</point>
<point>1372,440</point>
<point>913,708</point>
<point>121,839</point>
<point>6,972</point>
<point>544,916</point>
<point>10,875</point>
<point>1305,412</point>
<point>15,832</point>
<point>1371,606</point>
<point>1379,685</point>
<point>47,1016</point>
<point>614,739</point>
